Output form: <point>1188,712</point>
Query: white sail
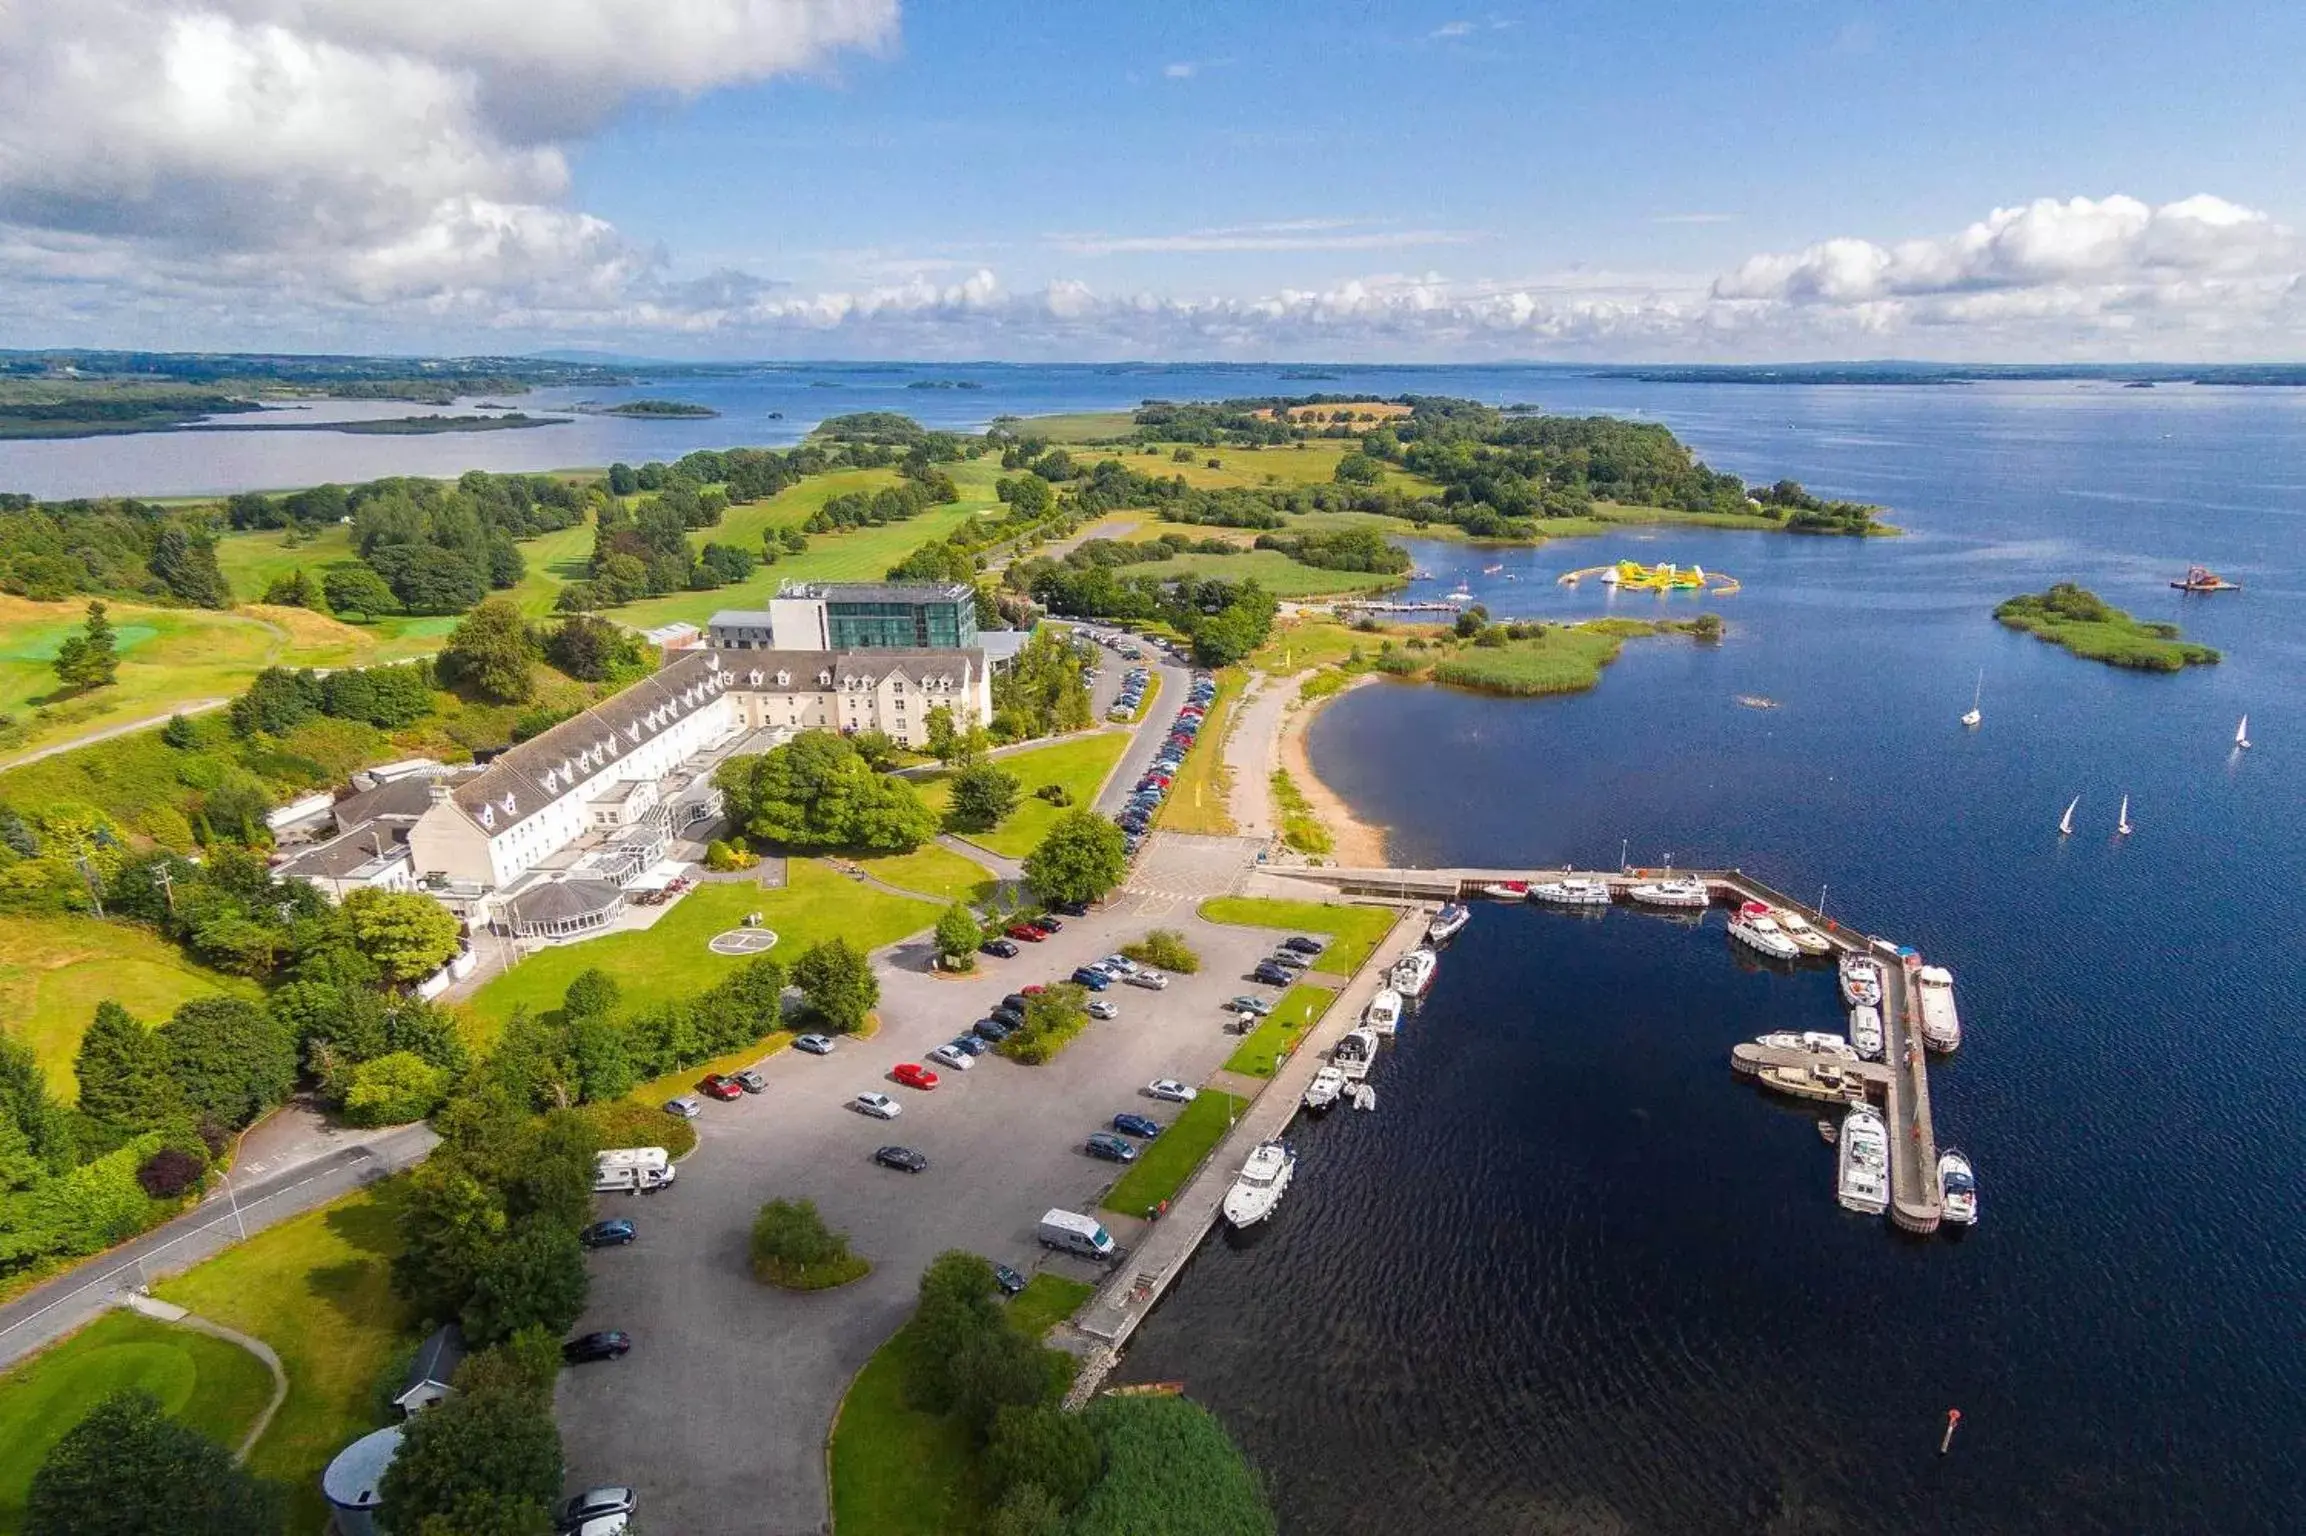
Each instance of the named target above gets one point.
<point>2122,819</point>
<point>2242,733</point>
<point>2066,822</point>
<point>1978,694</point>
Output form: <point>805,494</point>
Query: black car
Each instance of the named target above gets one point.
<point>1016,1001</point>
<point>608,1344</point>
<point>1106,1145</point>
<point>1008,1280</point>
<point>1304,945</point>
<point>992,1029</point>
<point>904,1158</point>
<point>1072,908</point>
<point>1047,924</point>
<point>1013,1018</point>
<point>1272,975</point>
<point>608,1234</point>
<point>1136,1125</point>
<point>1004,949</point>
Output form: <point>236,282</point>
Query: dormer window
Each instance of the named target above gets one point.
<point>488,816</point>
<point>824,679</point>
<point>784,679</point>
<point>511,806</point>
<point>568,770</point>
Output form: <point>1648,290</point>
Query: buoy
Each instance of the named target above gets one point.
<point>1953,1422</point>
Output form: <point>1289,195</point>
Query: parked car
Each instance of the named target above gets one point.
<point>993,1031</point>
<point>879,1105</point>
<point>1289,959</point>
<point>815,1045</point>
<point>1171,1091</point>
<point>1250,1002</point>
<point>969,1043</point>
<point>1072,908</point>
<point>752,1081</point>
<point>904,1159</point>
<point>913,1075</point>
<point>950,1056</point>
<point>1151,981</point>
<point>1136,1125</point>
<point>1272,975</point>
<point>687,1106</point>
<point>1000,949</point>
<point>718,1087</point>
<point>613,1233</point>
<point>1026,932</point>
<point>1008,1017</point>
<point>1008,1280</point>
<point>1101,1009</point>
<point>1304,945</point>
<point>1111,1148</point>
<point>1118,965</point>
<point>1092,978</point>
<point>1048,924</point>
<point>608,1344</point>
<point>596,1504</point>
<point>1016,1001</point>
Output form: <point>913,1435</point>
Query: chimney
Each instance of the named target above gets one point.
<point>438,792</point>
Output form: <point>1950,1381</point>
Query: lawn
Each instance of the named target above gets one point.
<point>1297,644</point>
<point>933,871</point>
<point>897,1471</point>
<point>670,960</point>
<point>1270,569</point>
<point>1563,659</point>
<point>215,1387</point>
<point>1353,931</point>
<point>317,1288</point>
<point>1300,1008</point>
<point>254,560</point>
<point>55,970</point>
<point>1079,762</point>
<point>1168,1160</point>
<point>1080,426</point>
<point>1200,795</point>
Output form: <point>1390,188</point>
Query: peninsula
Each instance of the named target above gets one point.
<point>2086,624</point>
<point>666,410</point>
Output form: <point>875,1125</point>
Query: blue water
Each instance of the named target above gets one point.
<point>1574,1276</point>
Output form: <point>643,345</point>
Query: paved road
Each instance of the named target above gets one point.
<point>1176,682</point>
<point>719,1416</point>
<point>50,1311</point>
<point>118,728</point>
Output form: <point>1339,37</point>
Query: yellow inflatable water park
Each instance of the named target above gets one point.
<point>1633,576</point>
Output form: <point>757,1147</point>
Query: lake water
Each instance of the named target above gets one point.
<point>1574,1276</point>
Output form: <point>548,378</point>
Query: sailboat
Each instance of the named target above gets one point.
<point>2066,822</point>
<point>2242,735</point>
<point>2122,819</point>
<point>1974,716</point>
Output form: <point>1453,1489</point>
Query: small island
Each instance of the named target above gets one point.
<point>389,426</point>
<point>666,410</point>
<point>1526,659</point>
<point>2086,624</point>
<point>944,384</point>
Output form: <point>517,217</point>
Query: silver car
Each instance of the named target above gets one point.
<point>687,1106</point>
<point>1151,981</point>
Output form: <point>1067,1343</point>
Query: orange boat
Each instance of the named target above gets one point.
<point>2200,578</point>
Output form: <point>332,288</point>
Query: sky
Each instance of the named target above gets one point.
<point>1572,180</point>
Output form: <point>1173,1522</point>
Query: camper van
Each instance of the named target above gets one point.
<point>1072,1232</point>
<point>632,1168</point>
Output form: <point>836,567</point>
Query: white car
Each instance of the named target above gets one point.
<point>1172,1091</point>
<point>1118,965</point>
<point>1151,981</point>
<point>879,1105</point>
<point>954,1057</point>
<point>1101,1009</point>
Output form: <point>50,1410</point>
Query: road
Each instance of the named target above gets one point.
<point>1176,681</point>
<point>720,1414</point>
<point>117,728</point>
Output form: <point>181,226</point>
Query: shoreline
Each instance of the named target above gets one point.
<point>1359,844</point>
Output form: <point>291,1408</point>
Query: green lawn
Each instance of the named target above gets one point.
<point>1080,426</point>
<point>317,1288</point>
<point>1300,1008</point>
<point>933,871</point>
<point>215,1387</point>
<point>1168,1160</point>
<point>1201,794</point>
<point>1271,569</point>
<point>670,960</point>
<point>897,1471</point>
<point>1353,931</point>
<point>1079,762</point>
<point>55,970</point>
<point>1564,659</point>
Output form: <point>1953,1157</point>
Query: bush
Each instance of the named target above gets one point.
<point>1165,949</point>
<point>1042,1447</point>
<point>726,858</point>
<point>394,1089</point>
<point>982,795</point>
<point>623,1123</point>
<point>838,983</point>
<point>1052,1018</point>
<point>958,935</point>
<point>1056,794</point>
<point>792,1247</point>
<point>1168,1468</point>
<point>170,1172</point>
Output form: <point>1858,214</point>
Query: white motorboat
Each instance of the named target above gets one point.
<point>1813,1040</point>
<point>1448,922</point>
<point>1861,981</point>
<point>1866,1031</point>
<point>1383,1015</point>
<point>1264,1180</point>
<point>1413,973</point>
<point>1322,1092</point>
<point>1957,1188</point>
<point>1571,893</point>
<point>1863,1152</point>
<point>1672,893</point>
<point>1507,890</point>
<point>1758,931</point>
<point>1361,1096</point>
<point>1797,928</point>
<point>1941,1026</point>
<point>1353,1053</point>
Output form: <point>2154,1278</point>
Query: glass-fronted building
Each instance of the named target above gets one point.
<point>854,616</point>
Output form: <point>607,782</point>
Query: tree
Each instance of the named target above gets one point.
<point>123,1073</point>
<point>127,1468</point>
<point>409,936</point>
<point>91,658</point>
<point>355,588</point>
<point>1043,1447</point>
<point>1082,857</point>
<point>1027,1509</point>
<point>449,1224</point>
<point>397,1088</point>
<point>278,700</point>
<point>878,748</point>
<point>982,795</point>
<point>534,1280</point>
<point>295,590</point>
<point>792,1246</point>
<point>488,1447</point>
<point>958,936</point>
<point>593,995</point>
<point>816,792</point>
<point>943,739</point>
<point>838,983</point>
<point>492,651</point>
<point>591,649</point>
<point>232,1059</point>
<point>429,579</point>
<point>886,815</point>
<point>186,565</point>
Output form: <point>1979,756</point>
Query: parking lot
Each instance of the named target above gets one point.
<point>719,1415</point>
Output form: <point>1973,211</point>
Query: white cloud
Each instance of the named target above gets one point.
<point>1282,235</point>
<point>1186,69</point>
<point>1692,218</point>
<point>1452,29</point>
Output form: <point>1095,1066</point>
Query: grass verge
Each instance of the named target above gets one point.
<point>1168,1160</point>
<point>1272,1041</point>
<point>1300,828</point>
<point>1200,796</point>
<point>932,871</point>
<point>1353,931</point>
<point>1078,764</point>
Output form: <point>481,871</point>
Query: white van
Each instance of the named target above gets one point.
<point>632,1168</point>
<point>1072,1232</point>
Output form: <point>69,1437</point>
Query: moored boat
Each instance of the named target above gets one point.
<point>1957,1188</point>
<point>1383,1015</point>
<point>1863,1155</point>
<point>1941,1026</point>
<point>1861,981</point>
<point>1672,893</point>
<point>1571,893</point>
<point>1353,1053</point>
<point>1448,922</point>
<point>1821,1078</point>
<point>1866,1031</point>
<point>1507,890</point>
<point>1264,1180</point>
<point>1813,1040</point>
<point>1322,1092</point>
<point>1413,973</point>
<point>1758,931</point>
<point>1797,928</point>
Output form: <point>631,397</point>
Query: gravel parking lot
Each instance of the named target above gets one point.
<point>720,1413</point>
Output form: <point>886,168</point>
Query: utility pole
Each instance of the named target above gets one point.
<point>167,885</point>
<point>234,1196</point>
<point>95,888</point>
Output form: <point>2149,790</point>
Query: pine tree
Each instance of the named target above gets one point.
<point>123,1072</point>
<point>91,658</point>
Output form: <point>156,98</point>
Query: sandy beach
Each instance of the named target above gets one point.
<point>1358,843</point>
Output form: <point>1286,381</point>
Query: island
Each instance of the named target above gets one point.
<point>944,384</point>
<point>666,410</point>
<point>1526,659</point>
<point>389,426</point>
<point>2086,624</point>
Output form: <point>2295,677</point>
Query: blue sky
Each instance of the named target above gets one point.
<point>855,178</point>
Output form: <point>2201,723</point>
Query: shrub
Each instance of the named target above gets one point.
<point>982,795</point>
<point>1053,1017</point>
<point>1166,949</point>
<point>623,1123</point>
<point>792,1247</point>
<point>1056,794</point>
<point>170,1172</point>
<point>838,983</point>
<point>726,858</point>
<point>1042,1447</point>
<point>394,1089</point>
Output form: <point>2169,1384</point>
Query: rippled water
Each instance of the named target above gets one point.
<point>1573,1275</point>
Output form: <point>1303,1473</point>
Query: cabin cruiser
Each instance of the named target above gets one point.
<point>1941,1028</point>
<point>1861,981</point>
<point>1797,928</point>
<point>1264,1179</point>
<point>1864,1155</point>
<point>1572,893</point>
<point>1448,922</point>
<point>1866,1031</point>
<point>1413,972</point>
<point>1758,931</point>
<point>1957,1188</point>
<point>1322,1092</point>
<point>1823,1077</point>
<point>1383,1015</point>
<point>1672,893</point>
<point>1507,890</point>
<point>1810,1040</point>
<point>1353,1053</point>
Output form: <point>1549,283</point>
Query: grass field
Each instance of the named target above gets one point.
<point>55,970</point>
<point>1270,569</point>
<point>1078,762</point>
<point>1353,931</point>
<point>1564,659</point>
<point>317,1288</point>
<point>1168,1160</point>
<point>933,871</point>
<point>215,1387</point>
<point>1199,795</point>
<point>1297,644</point>
<point>897,1471</point>
<point>1300,1008</point>
<point>670,960</point>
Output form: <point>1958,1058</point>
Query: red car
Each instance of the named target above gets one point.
<point>913,1075</point>
<point>1027,932</point>
<point>1036,987</point>
<point>719,1087</point>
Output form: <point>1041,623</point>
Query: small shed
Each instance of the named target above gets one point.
<point>354,1482</point>
<point>433,1370</point>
